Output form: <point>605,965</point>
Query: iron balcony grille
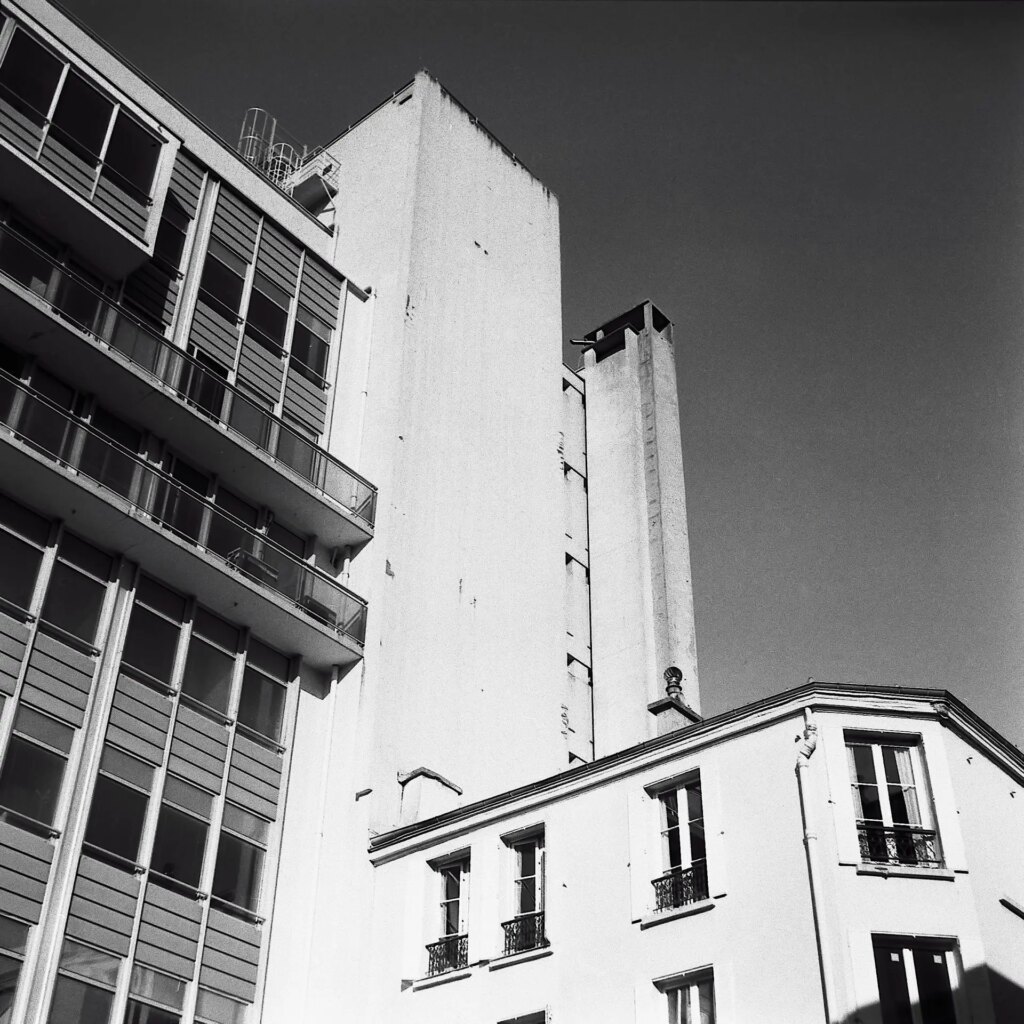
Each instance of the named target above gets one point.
<point>205,390</point>
<point>524,932</point>
<point>56,434</point>
<point>447,954</point>
<point>898,844</point>
<point>680,888</point>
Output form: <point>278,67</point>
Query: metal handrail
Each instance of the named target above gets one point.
<point>898,844</point>
<point>448,954</point>
<point>103,168</point>
<point>681,887</point>
<point>186,377</point>
<point>191,516</point>
<point>524,932</point>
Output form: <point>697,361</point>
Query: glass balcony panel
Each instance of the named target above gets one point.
<point>45,424</point>
<point>28,78</point>
<point>27,263</point>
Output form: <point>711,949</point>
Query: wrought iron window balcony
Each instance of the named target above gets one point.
<point>907,845</point>
<point>526,931</point>
<point>169,505</point>
<point>680,888</point>
<point>448,954</point>
<point>206,392</point>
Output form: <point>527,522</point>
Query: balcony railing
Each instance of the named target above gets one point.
<point>202,387</point>
<point>170,505</point>
<point>680,888</point>
<point>524,932</point>
<point>898,844</point>
<point>448,954</point>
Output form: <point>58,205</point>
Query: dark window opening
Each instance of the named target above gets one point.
<point>29,77</point>
<point>228,538</point>
<point>151,643</point>
<point>47,428</point>
<point>221,286</point>
<point>310,347</point>
<point>21,567</point>
<point>79,298</point>
<point>132,156</point>
<point>81,118</point>
<point>103,458</point>
<point>208,674</point>
<point>26,258</point>
<point>179,846</point>
<point>77,587</point>
<point>204,383</point>
<point>236,877</point>
<point>31,779</point>
<point>75,1002</point>
<point>116,818</point>
<point>266,322</point>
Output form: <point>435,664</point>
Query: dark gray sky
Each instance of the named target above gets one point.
<point>826,199</point>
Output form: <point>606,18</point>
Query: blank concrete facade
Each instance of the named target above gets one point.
<point>317,558</point>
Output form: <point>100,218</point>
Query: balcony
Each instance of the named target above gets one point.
<point>115,498</point>
<point>524,932</point>
<point>447,954</point>
<point>73,193</point>
<point>905,845</point>
<point>48,311</point>
<point>681,888</point>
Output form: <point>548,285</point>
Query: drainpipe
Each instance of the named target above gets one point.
<point>803,760</point>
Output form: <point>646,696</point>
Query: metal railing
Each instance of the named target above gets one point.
<point>448,954</point>
<point>898,844</point>
<point>172,506</point>
<point>206,392</point>
<point>680,888</point>
<point>524,932</point>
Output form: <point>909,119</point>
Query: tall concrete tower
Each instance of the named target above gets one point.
<point>640,586</point>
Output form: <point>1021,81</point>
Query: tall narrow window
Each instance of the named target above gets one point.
<point>181,830</point>
<point>81,119</point>
<point>33,770</point>
<point>154,630</point>
<point>267,316</point>
<point>310,341</point>
<point>526,929</point>
<point>211,661</point>
<point>23,536</point>
<point>13,940</point>
<point>690,999</point>
<point>107,453</point>
<point>119,802</point>
<point>285,557</point>
<point>46,422</point>
<point>223,280</point>
<point>684,855</point>
<point>240,852</point>
<point>28,78</point>
<point>885,779</point>
<point>451,951</point>
<point>131,157</point>
<point>233,534</point>
<point>180,499</point>
<point>916,980</point>
<point>261,706</point>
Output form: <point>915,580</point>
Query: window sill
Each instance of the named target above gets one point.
<point>905,871</point>
<point>671,915</point>
<point>441,979</point>
<point>520,958</point>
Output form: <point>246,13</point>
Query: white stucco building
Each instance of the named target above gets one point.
<point>315,559</point>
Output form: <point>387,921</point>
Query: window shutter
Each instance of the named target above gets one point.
<point>642,837</point>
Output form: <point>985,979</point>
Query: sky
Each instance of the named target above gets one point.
<point>825,199</point>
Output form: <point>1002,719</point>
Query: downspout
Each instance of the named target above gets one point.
<point>803,760</point>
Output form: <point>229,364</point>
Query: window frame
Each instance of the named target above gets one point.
<point>658,795</point>
<point>686,985</point>
<point>907,946</point>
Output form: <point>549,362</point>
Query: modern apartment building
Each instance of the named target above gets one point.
<point>310,547</point>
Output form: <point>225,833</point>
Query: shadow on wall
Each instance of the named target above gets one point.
<point>937,1007</point>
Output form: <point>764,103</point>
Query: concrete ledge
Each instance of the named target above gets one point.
<point>441,979</point>
<point>520,958</point>
<point>671,915</point>
<point>905,871</point>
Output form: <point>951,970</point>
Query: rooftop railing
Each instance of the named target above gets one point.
<point>898,844</point>
<point>170,505</point>
<point>680,888</point>
<point>200,385</point>
<point>448,954</point>
<point>524,932</point>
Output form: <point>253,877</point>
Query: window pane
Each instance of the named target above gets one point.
<point>894,995</point>
<point>266,322</point>
<point>218,1009</point>
<point>30,780</point>
<point>160,988</point>
<point>9,971</point>
<point>42,425</point>
<point>28,78</point>
<point>102,458</point>
<point>227,536</point>
<point>933,986</point>
<point>222,287</point>
<point>203,383</point>
<point>140,1013</point>
<point>21,567</point>
<point>13,935</point>
<point>73,602</point>
<point>237,875</point>
<point>74,1002</point>
<point>131,156</point>
<point>179,845</point>
<point>77,298</point>
<point>116,818</point>
<point>151,643</point>
<point>81,118</point>
<point>247,824</point>
<point>89,963</point>
<point>22,262</point>
<point>261,706</point>
<point>48,731</point>
<point>208,674</point>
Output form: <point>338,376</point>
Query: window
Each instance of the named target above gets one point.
<point>46,423</point>
<point>13,940</point>
<point>203,382</point>
<point>107,453</point>
<point>310,341</point>
<point>451,951</point>
<point>79,297</point>
<point>119,803</point>
<point>228,535</point>
<point>85,986</point>
<point>131,157</point>
<point>916,980</point>
<point>77,587</point>
<point>181,833</point>
<point>23,536</point>
<point>690,999</point>
<point>267,316</point>
<point>223,280</point>
<point>684,856</point>
<point>290,571</point>
<point>33,769</point>
<point>81,118</point>
<point>526,929</point>
<point>26,257</point>
<point>179,501</point>
<point>261,706</point>
<point>28,78</point>
<point>211,661</point>
<point>153,631</point>
<point>239,869</point>
<point>214,1008</point>
<point>154,998</point>
<point>886,779</point>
